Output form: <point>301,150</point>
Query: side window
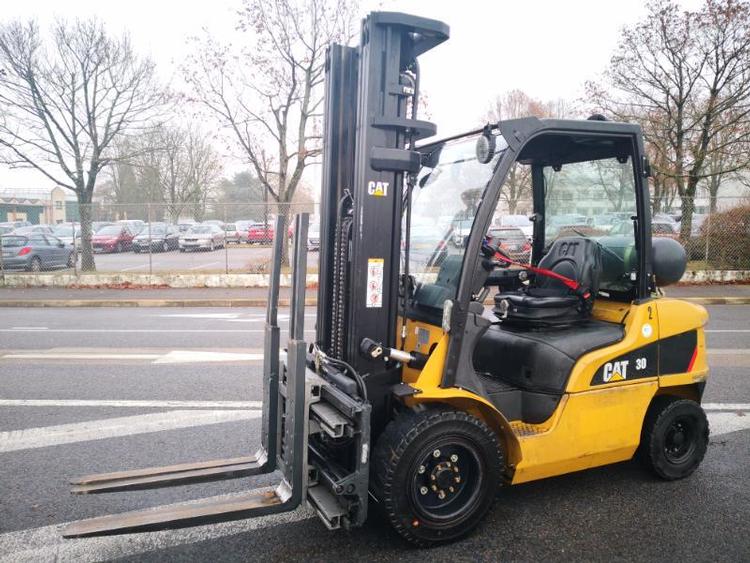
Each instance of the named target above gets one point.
<point>38,240</point>
<point>596,199</point>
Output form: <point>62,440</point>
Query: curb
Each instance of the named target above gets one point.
<point>257,302</point>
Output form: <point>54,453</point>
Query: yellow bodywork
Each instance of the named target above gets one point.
<point>592,425</point>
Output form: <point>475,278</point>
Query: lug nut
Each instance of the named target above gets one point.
<point>441,495</point>
<point>457,479</point>
<point>421,469</point>
<point>454,458</point>
<point>424,490</point>
<point>436,453</point>
<point>451,489</point>
<point>434,488</point>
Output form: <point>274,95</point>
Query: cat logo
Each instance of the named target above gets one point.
<point>377,189</point>
<point>615,371</point>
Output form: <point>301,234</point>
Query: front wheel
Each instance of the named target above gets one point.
<point>674,437</point>
<point>436,474</point>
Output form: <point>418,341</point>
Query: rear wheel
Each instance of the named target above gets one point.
<point>674,438</point>
<point>436,473</point>
<point>35,265</point>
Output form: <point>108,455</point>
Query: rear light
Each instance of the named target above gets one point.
<point>526,247</point>
<point>24,251</point>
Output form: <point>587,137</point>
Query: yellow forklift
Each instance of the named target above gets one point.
<point>448,360</point>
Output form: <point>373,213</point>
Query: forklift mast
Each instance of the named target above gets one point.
<point>371,98</point>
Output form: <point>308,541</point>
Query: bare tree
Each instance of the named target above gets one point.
<point>512,105</point>
<point>179,166</point>
<point>682,74</point>
<point>269,94</point>
<point>67,97</point>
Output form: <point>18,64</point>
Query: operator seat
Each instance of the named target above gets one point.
<point>547,301</point>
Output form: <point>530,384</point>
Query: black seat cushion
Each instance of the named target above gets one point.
<point>549,301</point>
<point>540,360</point>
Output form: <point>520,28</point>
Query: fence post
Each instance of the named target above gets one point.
<point>2,265</point>
<point>708,239</point>
<point>150,242</point>
<point>226,249</point>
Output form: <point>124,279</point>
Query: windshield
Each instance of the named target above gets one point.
<point>202,229</point>
<point>447,194</point>
<point>13,242</point>
<point>155,230</point>
<point>515,221</point>
<point>109,230</point>
<point>65,231</point>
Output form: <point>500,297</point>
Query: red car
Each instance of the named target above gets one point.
<point>259,234</point>
<point>112,238</point>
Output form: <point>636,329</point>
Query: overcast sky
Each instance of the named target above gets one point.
<point>547,48</point>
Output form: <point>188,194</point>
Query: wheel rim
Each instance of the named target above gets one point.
<point>446,481</point>
<point>164,246</point>
<point>680,440</point>
<point>36,265</point>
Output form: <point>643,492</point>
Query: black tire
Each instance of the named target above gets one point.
<point>35,264</point>
<point>72,258</point>
<point>137,250</point>
<point>182,250</point>
<point>422,455</point>
<point>674,437</point>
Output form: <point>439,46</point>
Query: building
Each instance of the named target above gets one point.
<point>38,206</point>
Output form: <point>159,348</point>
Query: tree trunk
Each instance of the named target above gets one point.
<point>86,214</point>
<point>688,207</point>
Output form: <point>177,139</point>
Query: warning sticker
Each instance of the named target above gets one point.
<point>375,283</point>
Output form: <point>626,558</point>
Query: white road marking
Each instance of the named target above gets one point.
<point>152,330</point>
<point>202,315</point>
<point>42,437</point>
<point>29,328</point>
<point>71,356</point>
<point>726,406</point>
<point>130,403</point>
<point>47,545</point>
<point>725,422</point>
<point>728,330</point>
<point>727,352</point>
<point>190,357</point>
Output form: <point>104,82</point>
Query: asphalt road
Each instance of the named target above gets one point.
<point>90,390</point>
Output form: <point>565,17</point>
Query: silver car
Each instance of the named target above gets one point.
<point>36,252</point>
<point>202,237</point>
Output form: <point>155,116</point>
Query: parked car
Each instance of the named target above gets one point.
<point>185,226</point>
<point>519,221</point>
<point>135,226</point>
<point>461,231</point>
<point>668,229</point>
<point>96,225</point>
<point>33,230</point>
<point>202,237</point>
<point>512,241</point>
<point>159,236</point>
<point>69,233</point>
<point>36,252</point>
<point>233,234</point>
<point>113,238</point>
<point>260,234</point>
<point>6,228</point>
<point>313,236</point>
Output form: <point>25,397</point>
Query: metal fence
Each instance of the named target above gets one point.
<point>718,239</point>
